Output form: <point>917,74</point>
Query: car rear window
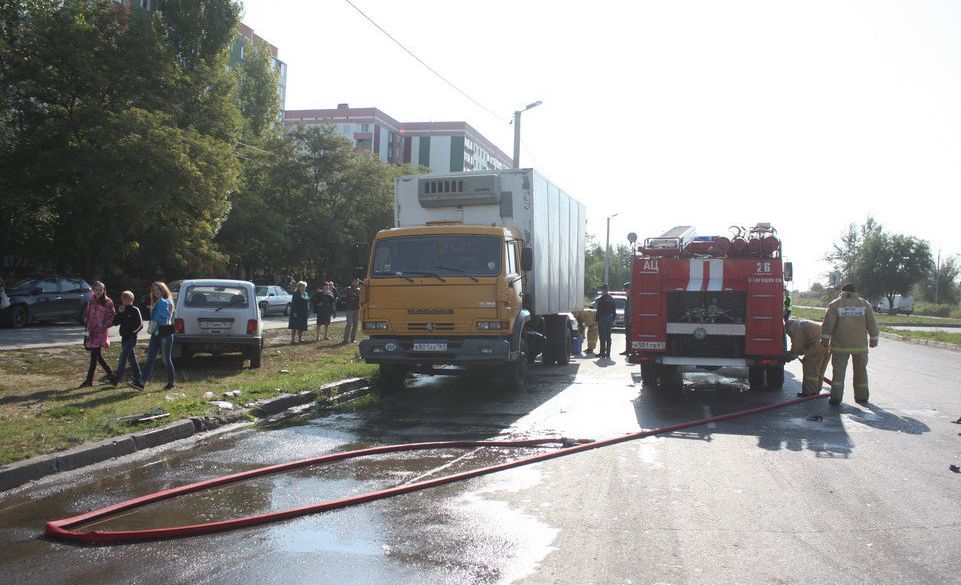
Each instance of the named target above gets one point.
<point>211,296</point>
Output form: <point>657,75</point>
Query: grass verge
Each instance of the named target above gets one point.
<point>945,336</point>
<point>883,319</point>
<point>42,410</point>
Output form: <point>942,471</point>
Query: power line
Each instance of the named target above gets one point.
<point>421,61</point>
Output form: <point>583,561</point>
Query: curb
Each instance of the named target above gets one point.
<point>21,472</point>
<point>928,342</point>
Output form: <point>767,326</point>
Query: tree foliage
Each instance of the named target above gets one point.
<point>941,285</point>
<point>619,270</point>
<point>879,263</point>
<point>129,150</point>
<point>121,158</point>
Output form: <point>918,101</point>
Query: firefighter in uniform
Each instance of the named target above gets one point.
<point>587,320</point>
<point>848,322</point>
<point>806,341</point>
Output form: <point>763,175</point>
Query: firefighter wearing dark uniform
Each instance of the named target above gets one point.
<point>806,342</point>
<point>848,322</point>
<point>606,310</point>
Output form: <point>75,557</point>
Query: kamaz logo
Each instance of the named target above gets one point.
<point>430,311</point>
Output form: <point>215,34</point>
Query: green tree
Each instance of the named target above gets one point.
<point>122,156</point>
<point>941,284</point>
<point>846,253</point>
<point>879,263</point>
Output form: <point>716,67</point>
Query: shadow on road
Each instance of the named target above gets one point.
<point>811,426</point>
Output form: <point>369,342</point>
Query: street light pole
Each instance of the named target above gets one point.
<point>607,251</point>
<point>937,280</point>
<point>517,132</point>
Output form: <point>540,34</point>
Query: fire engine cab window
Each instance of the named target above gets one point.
<point>445,255</point>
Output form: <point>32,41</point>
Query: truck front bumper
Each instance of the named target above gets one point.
<point>456,352</point>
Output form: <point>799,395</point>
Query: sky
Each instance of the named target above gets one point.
<point>808,115</point>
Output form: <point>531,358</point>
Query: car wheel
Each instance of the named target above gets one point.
<point>19,316</point>
<point>287,310</point>
<point>256,355</point>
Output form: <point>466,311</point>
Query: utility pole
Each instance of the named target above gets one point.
<point>517,132</point>
<point>607,251</point>
<point>937,280</point>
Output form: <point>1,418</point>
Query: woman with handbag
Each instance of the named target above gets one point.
<point>161,329</point>
<point>99,316</point>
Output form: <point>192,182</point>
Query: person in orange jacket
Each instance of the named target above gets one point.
<point>848,324</point>
<point>805,341</point>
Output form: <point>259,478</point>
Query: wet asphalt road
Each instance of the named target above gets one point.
<point>862,495</point>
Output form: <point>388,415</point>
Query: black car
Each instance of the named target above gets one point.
<point>45,298</point>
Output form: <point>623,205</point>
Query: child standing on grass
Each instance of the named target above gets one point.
<point>131,322</point>
<point>99,316</point>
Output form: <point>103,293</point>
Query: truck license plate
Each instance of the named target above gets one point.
<point>430,347</point>
<point>215,324</point>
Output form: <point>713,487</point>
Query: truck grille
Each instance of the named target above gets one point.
<point>423,327</point>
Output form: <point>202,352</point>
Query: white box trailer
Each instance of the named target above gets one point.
<point>552,223</point>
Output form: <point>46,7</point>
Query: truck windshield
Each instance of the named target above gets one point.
<point>446,255</point>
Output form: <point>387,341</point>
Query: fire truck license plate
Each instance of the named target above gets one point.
<point>647,344</point>
<point>430,347</point>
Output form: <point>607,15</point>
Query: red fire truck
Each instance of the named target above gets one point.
<point>709,302</point>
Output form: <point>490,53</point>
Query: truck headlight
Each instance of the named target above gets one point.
<point>492,325</point>
<point>374,325</point>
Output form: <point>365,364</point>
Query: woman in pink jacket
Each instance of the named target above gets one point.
<point>99,314</point>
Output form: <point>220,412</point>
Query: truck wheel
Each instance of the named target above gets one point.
<point>755,378</point>
<point>775,377</point>
<point>256,355</point>
<point>649,375</point>
<point>564,348</point>
<point>392,376</point>
<point>548,353</point>
<point>515,373</point>
<point>670,378</point>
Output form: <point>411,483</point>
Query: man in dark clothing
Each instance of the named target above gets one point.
<point>352,310</point>
<point>606,309</point>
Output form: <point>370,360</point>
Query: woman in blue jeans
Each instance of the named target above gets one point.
<point>161,335</point>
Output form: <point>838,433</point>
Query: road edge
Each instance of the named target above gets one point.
<point>927,342</point>
<point>19,473</point>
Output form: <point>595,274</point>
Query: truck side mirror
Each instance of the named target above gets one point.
<point>527,259</point>
<point>788,271</point>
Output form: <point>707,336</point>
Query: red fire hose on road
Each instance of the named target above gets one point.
<point>61,528</point>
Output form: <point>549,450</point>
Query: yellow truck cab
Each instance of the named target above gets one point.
<point>483,269</point>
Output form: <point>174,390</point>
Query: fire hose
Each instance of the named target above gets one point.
<point>61,529</point>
